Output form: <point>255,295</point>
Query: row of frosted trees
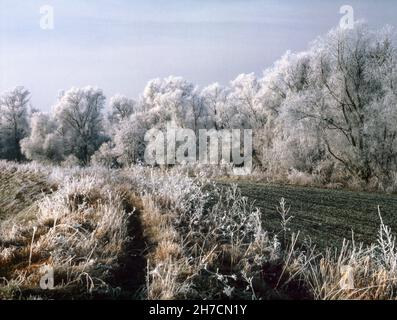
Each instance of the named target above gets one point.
<point>329,110</point>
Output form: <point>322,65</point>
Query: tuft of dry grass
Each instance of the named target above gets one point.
<point>167,263</point>
<point>79,231</point>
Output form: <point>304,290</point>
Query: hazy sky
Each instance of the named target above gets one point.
<point>119,45</point>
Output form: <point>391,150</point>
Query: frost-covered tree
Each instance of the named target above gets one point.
<point>247,109</point>
<point>163,100</point>
<point>121,108</point>
<point>197,115</point>
<point>80,121</point>
<point>331,106</point>
<point>246,101</point>
<point>289,142</point>
<point>13,122</point>
<point>130,137</point>
<point>215,98</point>
<point>347,90</point>
<point>43,143</point>
<point>172,97</point>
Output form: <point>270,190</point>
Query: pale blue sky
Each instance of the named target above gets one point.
<point>119,45</point>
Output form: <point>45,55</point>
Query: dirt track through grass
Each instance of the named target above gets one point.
<point>327,216</point>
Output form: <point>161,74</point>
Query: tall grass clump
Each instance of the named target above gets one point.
<point>78,231</point>
<point>354,271</point>
<point>209,241</point>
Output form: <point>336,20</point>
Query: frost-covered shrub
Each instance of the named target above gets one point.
<point>212,226</point>
<point>71,161</point>
<point>43,144</point>
<point>106,156</point>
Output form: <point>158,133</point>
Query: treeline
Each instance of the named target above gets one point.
<point>328,112</point>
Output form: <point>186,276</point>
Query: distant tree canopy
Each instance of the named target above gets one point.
<point>332,106</point>
<point>75,128</point>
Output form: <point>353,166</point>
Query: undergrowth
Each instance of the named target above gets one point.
<point>163,234</point>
